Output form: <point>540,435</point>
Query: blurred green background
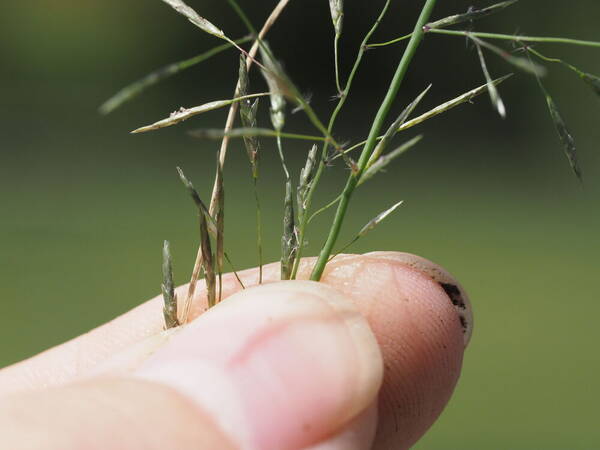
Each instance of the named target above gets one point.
<point>85,206</point>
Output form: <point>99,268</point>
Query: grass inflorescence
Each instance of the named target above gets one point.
<point>364,159</point>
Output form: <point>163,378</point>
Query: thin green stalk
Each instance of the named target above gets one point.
<point>393,41</point>
<point>282,158</point>
<point>218,133</point>
<point>515,37</point>
<point>322,163</point>
<point>378,123</point>
<point>507,37</point>
<point>258,232</point>
<point>336,50</point>
<point>323,209</point>
<point>336,8</point>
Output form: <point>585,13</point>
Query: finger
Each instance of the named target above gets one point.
<point>418,326</point>
<point>422,319</point>
<point>285,365</point>
<point>109,414</point>
<point>420,333</point>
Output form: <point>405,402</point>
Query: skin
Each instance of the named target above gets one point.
<point>366,359</point>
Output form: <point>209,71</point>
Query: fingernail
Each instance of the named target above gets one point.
<point>282,365</point>
<point>453,289</point>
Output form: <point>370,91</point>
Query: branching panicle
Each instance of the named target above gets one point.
<point>374,156</point>
<point>471,15</point>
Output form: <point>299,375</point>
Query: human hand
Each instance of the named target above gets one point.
<point>366,359</point>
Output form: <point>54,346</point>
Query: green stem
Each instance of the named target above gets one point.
<point>258,231</point>
<point>282,157</point>
<point>517,38</point>
<point>323,209</point>
<point>506,37</point>
<point>393,41</point>
<point>384,109</point>
<point>336,45</point>
<point>555,60</point>
<point>246,132</point>
<point>322,163</point>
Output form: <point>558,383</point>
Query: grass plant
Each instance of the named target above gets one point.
<point>374,153</point>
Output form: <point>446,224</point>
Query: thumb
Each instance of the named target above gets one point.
<point>286,365</point>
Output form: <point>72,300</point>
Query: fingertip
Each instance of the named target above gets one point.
<point>420,336</point>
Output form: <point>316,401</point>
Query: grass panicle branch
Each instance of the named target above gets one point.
<point>593,81</point>
<point>302,227</point>
<point>382,113</point>
<point>471,15</point>
<point>374,156</point>
<point>336,8</point>
<point>516,37</point>
<point>233,109</point>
